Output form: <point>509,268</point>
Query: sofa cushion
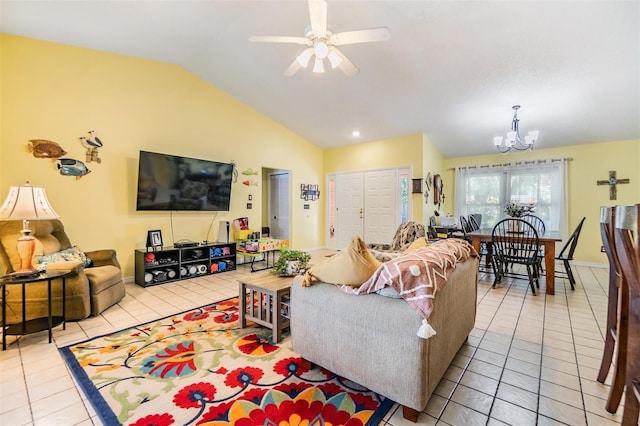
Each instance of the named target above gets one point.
<point>73,253</point>
<point>352,266</point>
<point>417,244</point>
<point>103,277</point>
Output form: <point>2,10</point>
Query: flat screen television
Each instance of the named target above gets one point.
<point>171,182</point>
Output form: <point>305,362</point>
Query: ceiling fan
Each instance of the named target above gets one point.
<point>322,43</point>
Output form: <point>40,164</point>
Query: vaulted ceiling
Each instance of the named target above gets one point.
<point>451,69</point>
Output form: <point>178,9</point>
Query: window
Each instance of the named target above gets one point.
<point>404,195</point>
<point>487,189</point>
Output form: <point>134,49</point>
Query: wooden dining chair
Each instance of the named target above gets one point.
<point>486,248</point>
<point>628,249</point>
<point>464,224</point>
<point>566,255</point>
<point>515,247</point>
<point>617,313</point>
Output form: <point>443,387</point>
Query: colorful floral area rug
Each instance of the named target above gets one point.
<point>199,368</point>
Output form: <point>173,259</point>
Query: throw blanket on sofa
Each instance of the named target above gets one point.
<point>417,276</point>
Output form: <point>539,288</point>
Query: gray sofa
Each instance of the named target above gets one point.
<point>371,339</point>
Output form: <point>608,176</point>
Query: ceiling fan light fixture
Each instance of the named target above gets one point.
<point>318,67</point>
<point>321,49</point>
<point>304,58</point>
<point>334,59</point>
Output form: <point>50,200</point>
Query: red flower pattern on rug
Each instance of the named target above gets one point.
<point>198,368</point>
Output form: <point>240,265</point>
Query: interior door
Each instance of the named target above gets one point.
<point>349,207</point>
<point>380,205</point>
<point>279,204</point>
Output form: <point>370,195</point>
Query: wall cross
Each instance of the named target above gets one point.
<point>612,182</point>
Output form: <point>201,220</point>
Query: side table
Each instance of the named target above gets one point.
<point>261,301</point>
<point>36,324</point>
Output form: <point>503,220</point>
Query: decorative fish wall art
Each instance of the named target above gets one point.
<point>249,183</point>
<point>71,167</point>
<point>42,148</point>
<point>249,172</point>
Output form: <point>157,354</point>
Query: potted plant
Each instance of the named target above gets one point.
<point>291,262</point>
<point>514,209</point>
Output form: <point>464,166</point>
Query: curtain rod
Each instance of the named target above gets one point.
<point>483,166</point>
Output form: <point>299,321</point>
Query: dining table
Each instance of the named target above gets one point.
<point>548,240</point>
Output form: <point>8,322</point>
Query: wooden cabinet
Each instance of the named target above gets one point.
<point>173,264</point>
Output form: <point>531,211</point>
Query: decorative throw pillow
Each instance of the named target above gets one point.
<point>72,253</point>
<point>352,266</point>
<point>416,244</point>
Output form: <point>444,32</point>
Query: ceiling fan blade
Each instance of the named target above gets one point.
<point>292,69</point>
<point>345,65</point>
<point>280,39</point>
<point>318,16</point>
<point>361,36</point>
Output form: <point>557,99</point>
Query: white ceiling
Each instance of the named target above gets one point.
<point>452,69</point>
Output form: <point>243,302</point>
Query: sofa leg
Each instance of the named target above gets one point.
<point>410,414</point>
<point>307,364</point>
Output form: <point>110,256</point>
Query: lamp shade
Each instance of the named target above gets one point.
<point>27,203</point>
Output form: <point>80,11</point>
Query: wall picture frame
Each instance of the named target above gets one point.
<point>416,186</point>
<point>154,239</point>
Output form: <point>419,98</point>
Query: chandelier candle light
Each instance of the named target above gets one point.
<point>513,140</point>
<point>26,203</point>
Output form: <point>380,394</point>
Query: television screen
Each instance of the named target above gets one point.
<point>170,182</point>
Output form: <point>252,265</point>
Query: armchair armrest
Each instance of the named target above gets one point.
<point>103,257</point>
<point>73,266</point>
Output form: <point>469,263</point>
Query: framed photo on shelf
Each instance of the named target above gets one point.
<point>154,239</point>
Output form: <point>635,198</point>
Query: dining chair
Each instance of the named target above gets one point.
<point>477,217</point>
<point>566,255</point>
<point>486,249</point>
<point>617,314</point>
<point>541,228</point>
<point>464,224</point>
<point>628,249</point>
<point>536,222</point>
<point>473,222</point>
<point>520,248</point>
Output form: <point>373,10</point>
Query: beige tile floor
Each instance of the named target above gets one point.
<point>529,360</point>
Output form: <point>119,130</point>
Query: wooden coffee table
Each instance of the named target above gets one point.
<point>267,292</point>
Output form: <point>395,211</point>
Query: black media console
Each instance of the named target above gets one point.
<point>172,264</point>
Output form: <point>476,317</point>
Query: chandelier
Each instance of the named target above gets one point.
<point>513,140</point>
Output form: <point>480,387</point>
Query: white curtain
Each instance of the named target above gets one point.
<point>487,189</point>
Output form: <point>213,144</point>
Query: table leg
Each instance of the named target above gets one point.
<point>475,242</point>
<point>64,303</point>
<point>24,308</point>
<point>277,322</point>
<point>242,303</point>
<point>4,318</point>
<point>549,266</point>
<point>49,313</point>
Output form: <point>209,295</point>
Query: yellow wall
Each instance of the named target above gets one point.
<point>590,163</point>
<point>58,92</point>
<point>433,162</point>
<point>404,151</point>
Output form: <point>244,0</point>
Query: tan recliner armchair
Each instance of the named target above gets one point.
<point>89,290</point>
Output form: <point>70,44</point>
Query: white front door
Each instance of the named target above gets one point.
<point>279,204</point>
<point>381,201</point>
<point>349,207</point>
<point>367,204</point>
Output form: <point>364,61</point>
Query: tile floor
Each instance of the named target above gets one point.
<point>529,360</point>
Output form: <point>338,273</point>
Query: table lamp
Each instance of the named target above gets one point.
<point>26,203</point>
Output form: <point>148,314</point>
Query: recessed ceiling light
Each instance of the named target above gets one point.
<point>355,133</point>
